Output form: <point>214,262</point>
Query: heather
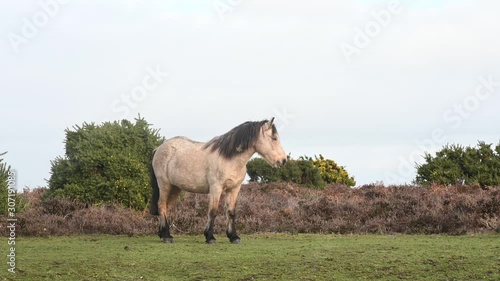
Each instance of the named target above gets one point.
<point>281,207</point>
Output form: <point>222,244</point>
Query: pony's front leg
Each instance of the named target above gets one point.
<point>231,198</point>
<point>213,207</point>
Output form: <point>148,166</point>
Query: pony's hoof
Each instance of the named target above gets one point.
<point>168,240</point>
<point>212,241</point>
<point>236,241</point>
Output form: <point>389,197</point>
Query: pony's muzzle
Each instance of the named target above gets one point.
<point>281,163</point>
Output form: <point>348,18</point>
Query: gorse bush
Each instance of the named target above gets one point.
<point>331,172</point>
<point>106,163</point>
<point>315,173</point>
<point>455,164</point>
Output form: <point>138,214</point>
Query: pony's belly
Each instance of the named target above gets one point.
<point>196,189</point>
<point>190,184</point>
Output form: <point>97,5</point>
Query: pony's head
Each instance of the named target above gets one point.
<point>261,136</point>
<point>268,144</point>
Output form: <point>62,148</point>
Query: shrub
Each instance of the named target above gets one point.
<point>4,175</point>
<point>47,216</point>
<point>310,174</point>
<point>282,207</point>
<point>455,164</point>
<point>258,170</point>
<point>106,163</point>
<point>315,173</point>
<point>331,172</point>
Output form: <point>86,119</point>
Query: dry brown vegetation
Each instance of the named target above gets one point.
<point>282,207</point>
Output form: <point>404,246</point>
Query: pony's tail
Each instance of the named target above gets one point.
<point>153,205</point>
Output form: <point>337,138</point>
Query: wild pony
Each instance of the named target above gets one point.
<point>216,166</point>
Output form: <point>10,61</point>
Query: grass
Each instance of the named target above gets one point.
<point>259,257</point>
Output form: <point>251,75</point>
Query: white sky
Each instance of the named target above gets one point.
<point>254,60</point>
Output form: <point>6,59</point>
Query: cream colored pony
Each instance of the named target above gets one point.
<point>211,168</point>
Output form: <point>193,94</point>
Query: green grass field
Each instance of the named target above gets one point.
<point>259,257</point>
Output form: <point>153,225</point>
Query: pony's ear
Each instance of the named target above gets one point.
<point>269,124</point>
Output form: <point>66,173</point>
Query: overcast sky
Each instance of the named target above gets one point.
<point>369,84</point>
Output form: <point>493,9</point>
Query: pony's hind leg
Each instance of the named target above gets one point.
<point>168,195</point>
<point>231,197</point>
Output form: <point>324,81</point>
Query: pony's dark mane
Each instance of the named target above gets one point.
<point>238,139</point>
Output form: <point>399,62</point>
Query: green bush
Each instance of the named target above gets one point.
<point>455,164</point>
<point>106,163</point>
<point>310,174</point>
<point>315,173</point>
<point>4,175</point>
<point>258,170</point>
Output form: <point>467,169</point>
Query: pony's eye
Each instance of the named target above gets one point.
<point>274,138</point>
